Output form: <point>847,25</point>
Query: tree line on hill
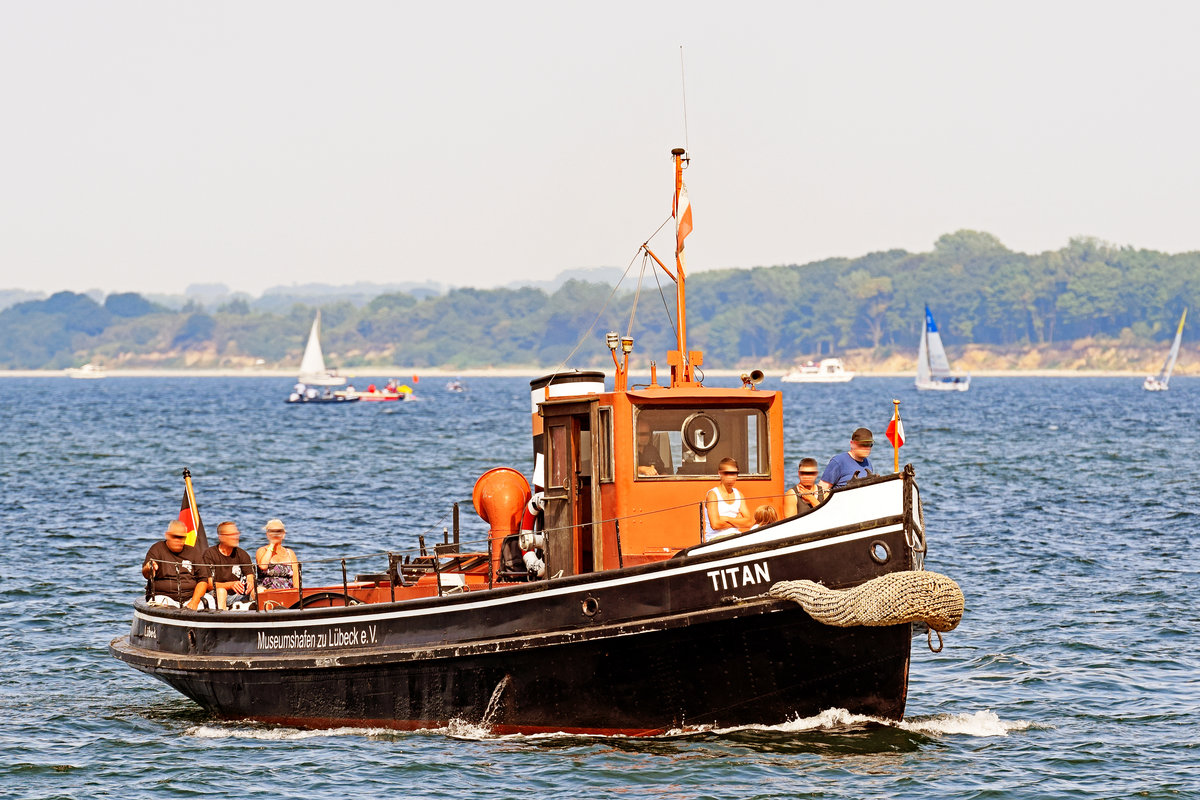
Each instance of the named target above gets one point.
<point>980,291</point>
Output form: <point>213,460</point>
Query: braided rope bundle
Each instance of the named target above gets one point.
<point>892,599</point>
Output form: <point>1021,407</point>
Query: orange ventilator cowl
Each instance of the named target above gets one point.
<point>500,497</point>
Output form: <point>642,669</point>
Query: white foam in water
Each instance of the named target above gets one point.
<point>250,730</point>
<point>982,723</point>
<point>461,729</point>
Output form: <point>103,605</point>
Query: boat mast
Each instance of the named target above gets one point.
<point>1169,366</point>
<point>680,294</point>
<point>683,361</point>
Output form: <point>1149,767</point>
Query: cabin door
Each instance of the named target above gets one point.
<point>571,493</point>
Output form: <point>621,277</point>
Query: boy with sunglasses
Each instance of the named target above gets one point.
<point>806,494</point>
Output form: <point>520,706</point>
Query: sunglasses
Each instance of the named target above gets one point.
<point>865,444</point>
<point>809,473</point>
<point>728,472</point>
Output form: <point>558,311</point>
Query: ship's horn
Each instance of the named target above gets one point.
<point>752,378</point>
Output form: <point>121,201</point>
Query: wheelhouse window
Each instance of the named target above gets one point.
<point>690,442</point>
<point>605,439</point>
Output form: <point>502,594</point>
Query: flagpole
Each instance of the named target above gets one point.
<point>895,448</point>
<point>191,496</point>
<point>680,293</point>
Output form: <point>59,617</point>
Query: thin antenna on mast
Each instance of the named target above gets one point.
<point>683,86</point>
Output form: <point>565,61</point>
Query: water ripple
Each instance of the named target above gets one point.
<point>1073,674</point>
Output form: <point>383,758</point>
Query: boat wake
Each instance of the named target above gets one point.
<point>982,724</point>
<point>838,720</point>
<point>254,730</point>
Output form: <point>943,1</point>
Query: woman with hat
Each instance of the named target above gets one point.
<point>278,567</point>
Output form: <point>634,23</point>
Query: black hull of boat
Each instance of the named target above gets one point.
<point>775,665</point>
<point>688,642</point>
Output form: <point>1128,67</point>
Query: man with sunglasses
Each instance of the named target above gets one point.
<point>175,570</point>
<point>856,463</point>
<point>806,494</point>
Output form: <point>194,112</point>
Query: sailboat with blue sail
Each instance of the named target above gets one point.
<point>1160,382</point>
<point>933,368</point>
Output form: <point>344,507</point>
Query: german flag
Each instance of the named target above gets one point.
<point>190,516</point>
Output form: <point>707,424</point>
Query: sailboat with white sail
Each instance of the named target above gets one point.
<point>933,368</point>
<point>312,366</point>
<point>1160,382</point>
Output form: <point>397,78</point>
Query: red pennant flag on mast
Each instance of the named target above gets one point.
<point>683,219</point>
<point>190,516</point>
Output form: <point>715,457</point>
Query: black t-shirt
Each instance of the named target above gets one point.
<point>177,573</point>
<point>651,456</point>
<point>232,567</point>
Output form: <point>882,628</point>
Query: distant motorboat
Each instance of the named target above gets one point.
<point>827,370</point>
<point>1162,381</point>
<point>297,398</point>
<point>312,366</point>
<point>933,368</point>
<point>455,386</point>
<point>88,371</point>
<point>390,393</point>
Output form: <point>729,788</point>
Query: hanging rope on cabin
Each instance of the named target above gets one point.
<point>892,599</point>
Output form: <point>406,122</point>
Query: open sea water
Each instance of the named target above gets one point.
<point>1065,508</point>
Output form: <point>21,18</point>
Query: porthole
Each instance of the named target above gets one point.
<point>880,552</point>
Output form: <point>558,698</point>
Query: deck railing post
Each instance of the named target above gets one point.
<point>437,570</point>
<point>392,574</point>
<point>345,584</point>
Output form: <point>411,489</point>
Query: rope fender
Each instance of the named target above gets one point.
<point>892,599</point>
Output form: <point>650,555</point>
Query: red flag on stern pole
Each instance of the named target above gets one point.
<point>190,516</point>
<point>895,434</point>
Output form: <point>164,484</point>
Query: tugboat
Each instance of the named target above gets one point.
<point>598,604</point>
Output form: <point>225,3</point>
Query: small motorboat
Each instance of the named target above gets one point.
<point>302,399</point>
<point>828,370</point>
<point>389,393</point>
<point>88,371</point>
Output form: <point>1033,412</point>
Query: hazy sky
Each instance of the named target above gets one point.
<point>150,145</point>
